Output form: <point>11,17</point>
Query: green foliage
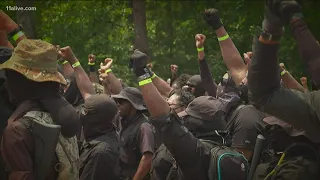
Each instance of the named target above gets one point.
<point>104,28</point>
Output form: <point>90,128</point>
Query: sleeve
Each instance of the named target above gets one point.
<point>247,127</point>
<point>206,78</point>
<point>146,138</point>
<point>16,146</point>
<point>101,165</point>
<point>296,108</point>
<point>189,153</point>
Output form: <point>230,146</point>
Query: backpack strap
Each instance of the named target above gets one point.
<point>173,168</point>
<point>287,150</point>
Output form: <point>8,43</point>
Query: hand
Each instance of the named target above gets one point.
<point>103,77</point>
<point>150,66</point>
<point>200,39</point>
<point>138,60</point>
<point>67,54</point>
<point>211,16</point>
<point>289,8</point>
<point>282,66</point>
<point>247,57</point>
<point>91,58</point>
<point>173,68</point>
<point>106,65</point>
<point>303,80</point>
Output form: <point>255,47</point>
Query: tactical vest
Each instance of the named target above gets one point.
<point>66,149</point>
<point>130,147</point>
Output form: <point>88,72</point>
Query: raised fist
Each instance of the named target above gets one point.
<point>200,39</point>
<point>173,68</point>
<point>67,54</point>
<point>211,16</point>
<point>91,58</point>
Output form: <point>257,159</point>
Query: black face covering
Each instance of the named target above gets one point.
<point>47,96</point>
<point>98,115</point>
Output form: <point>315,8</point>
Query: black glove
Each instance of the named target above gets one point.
<point>138,62</point>
<point>288,10</point>
<point>272,13</point>
<point>211,16</point>
<point>282,11</point>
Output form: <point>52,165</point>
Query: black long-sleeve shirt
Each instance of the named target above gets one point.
<point>206,78</point>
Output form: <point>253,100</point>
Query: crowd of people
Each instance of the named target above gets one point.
<point>257,122</point>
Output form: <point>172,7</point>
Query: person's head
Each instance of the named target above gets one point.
<point>129,101</point>
<point>227,85</point>
<point>180,100</point>
<point>195,86</point>
<point>97,115</point>
<point>31,71</point>
<point>181,81</point>
<point>203,115</point>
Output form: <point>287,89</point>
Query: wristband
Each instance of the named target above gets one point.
<point>64,62</point>
<point>91,64</point>
<point>144,82</point>
<point>200,49</point>
<point>283,72</point>
<point>108,70</point>
<point>153,76</point>
<point>17,36</point>
<point>223,37</point>
<point>76,64</point>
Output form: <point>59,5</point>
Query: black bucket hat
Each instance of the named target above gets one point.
<point>133,95</point>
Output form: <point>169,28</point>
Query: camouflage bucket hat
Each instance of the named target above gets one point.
<point>36,60</point>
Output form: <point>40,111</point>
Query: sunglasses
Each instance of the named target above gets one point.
<point>121,101</point>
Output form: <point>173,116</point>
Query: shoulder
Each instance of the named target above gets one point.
<point>146,128</point>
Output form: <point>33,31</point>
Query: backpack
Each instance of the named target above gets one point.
<point>226,163</point>
<point>288,158</point>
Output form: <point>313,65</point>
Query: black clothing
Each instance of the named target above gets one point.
<point>99,158</point>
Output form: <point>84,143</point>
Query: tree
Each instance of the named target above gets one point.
<point>140,28</point>
<point>26,18</point>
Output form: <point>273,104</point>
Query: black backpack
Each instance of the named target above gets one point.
<point>226,163</point>
<point>288,158</point>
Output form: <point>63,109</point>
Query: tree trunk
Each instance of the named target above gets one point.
<point>26,18</point>
<point>140,28</point>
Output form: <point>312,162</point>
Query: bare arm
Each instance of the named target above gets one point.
<point>93,77</point>
<point>67,69</point>
<point>162,86</point>
<point>289,81</point>
<point>9,25</point>
<point>110,81</point>
<point>83,81</point>
<point>144,166</point>
<point>231,57</point>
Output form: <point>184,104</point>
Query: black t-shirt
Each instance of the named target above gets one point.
<point>244,125</point>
